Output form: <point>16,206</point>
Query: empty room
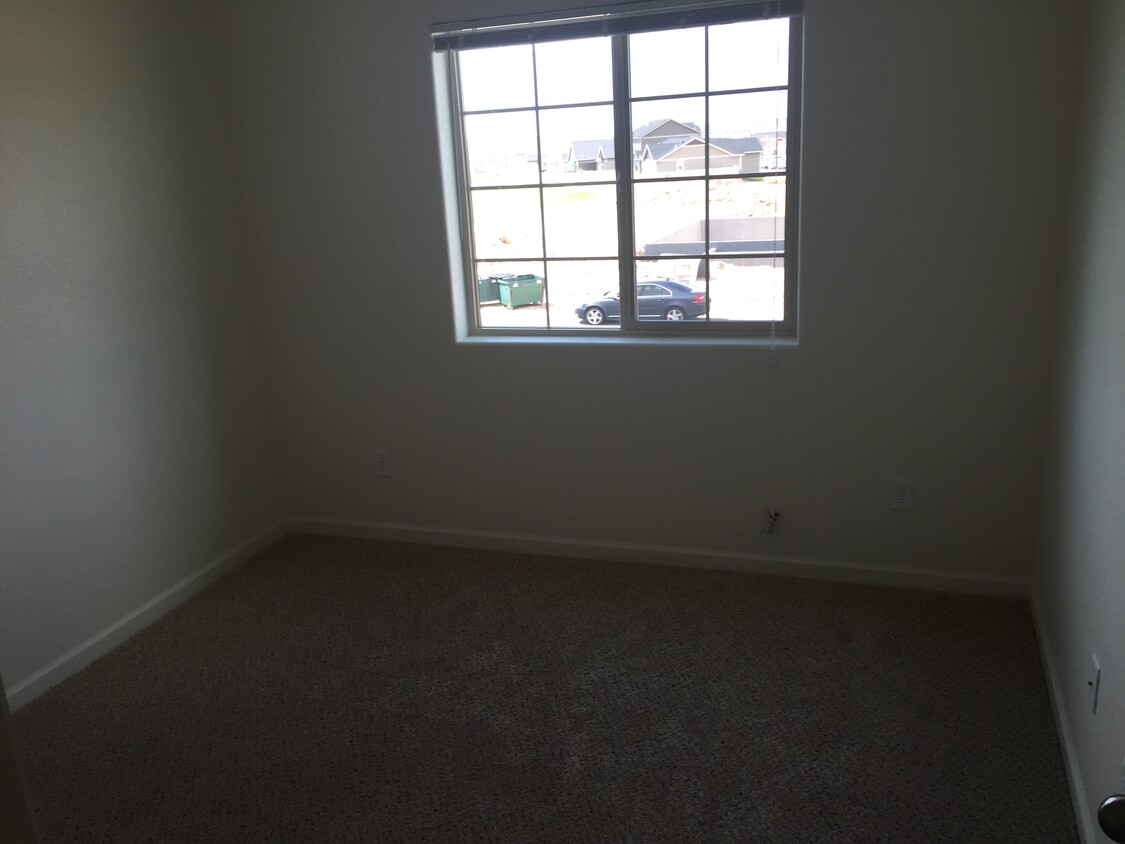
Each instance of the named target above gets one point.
<point>533,420</point>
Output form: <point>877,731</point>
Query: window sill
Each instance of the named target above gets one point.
<point>606,339</point>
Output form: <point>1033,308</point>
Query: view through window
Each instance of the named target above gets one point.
<point>660,200</point>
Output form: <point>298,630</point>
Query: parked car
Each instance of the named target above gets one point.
<point>661,298</point>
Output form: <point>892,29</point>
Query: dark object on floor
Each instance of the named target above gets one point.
<point>337,689</point>
<point>1111,817</point>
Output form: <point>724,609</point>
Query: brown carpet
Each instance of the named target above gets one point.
<point>349,690</point>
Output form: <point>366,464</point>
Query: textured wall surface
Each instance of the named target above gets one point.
<point>134,441</point>
<point>935,164</point>
<point>1082,583</point>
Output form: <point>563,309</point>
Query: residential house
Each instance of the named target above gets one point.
<point>586,156</point>
<point>663,130</point>
<point>671,146</point>
<point>723,155</point>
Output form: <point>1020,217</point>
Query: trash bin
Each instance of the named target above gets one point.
<point>520,290</point>
<point>488,288</point>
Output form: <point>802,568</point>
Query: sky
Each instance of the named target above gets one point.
<point>742,55</point>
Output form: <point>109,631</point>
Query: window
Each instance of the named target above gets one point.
<point>624,171</point>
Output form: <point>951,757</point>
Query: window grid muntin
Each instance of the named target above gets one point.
<point>707,179</point>
<point>625,178</point>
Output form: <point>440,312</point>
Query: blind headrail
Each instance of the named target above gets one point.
<point>619,19</point>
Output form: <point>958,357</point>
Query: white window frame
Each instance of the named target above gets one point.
<point>620,21</point>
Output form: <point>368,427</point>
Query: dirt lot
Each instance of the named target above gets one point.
<point>581,220</point>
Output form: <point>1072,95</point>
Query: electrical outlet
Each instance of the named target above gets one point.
<point>771,520</point>
<point>1095,683</point>
<point>382,463</point>
<point>902,493</point>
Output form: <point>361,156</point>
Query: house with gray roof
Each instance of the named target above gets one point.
<point>671,146</point>
<point>734,155</point>
<point>664,129</point>
<point>590,155</point>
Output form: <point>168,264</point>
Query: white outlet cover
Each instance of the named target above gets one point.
<point>902,493</point>
<point>382,463</point>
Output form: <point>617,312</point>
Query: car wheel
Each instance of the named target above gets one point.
<point>594,316</point>
<point>674,314</point>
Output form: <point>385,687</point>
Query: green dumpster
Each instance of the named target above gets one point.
<point>520,290</point>
<point>488,288</point>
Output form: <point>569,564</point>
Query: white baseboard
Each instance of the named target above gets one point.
<point>103,642</point>
<point>668,555</point>
<point>1062,724</point>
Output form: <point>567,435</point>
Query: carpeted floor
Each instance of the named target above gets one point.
<point>349,690</point>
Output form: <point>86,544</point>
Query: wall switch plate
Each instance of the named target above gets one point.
<point>382,463</point>
<point>1095,683</point>
<point>902,493</point>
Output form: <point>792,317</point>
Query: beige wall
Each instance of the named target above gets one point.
<point>137,424</point>
<point>927,303</point>
<point>134,440</point>
<point>1081,585</point>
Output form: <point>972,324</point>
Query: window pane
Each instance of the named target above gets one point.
<point>747,289</point>
<point>753,54</point>
<point>744,131</point>
<point>667,137</point>
<point>511,294</point>
<point>497,77</point>
<point>581,221</point>
<point>666,62</point>
<point>574,71</point>
<point>747,214</point>
<point>501,148</point>
<point>670,290</point>
<point>578,286</point>
<point>708,183</point>
<point>577,144</point>
<point>669,218</point>
<point>506,224</point>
